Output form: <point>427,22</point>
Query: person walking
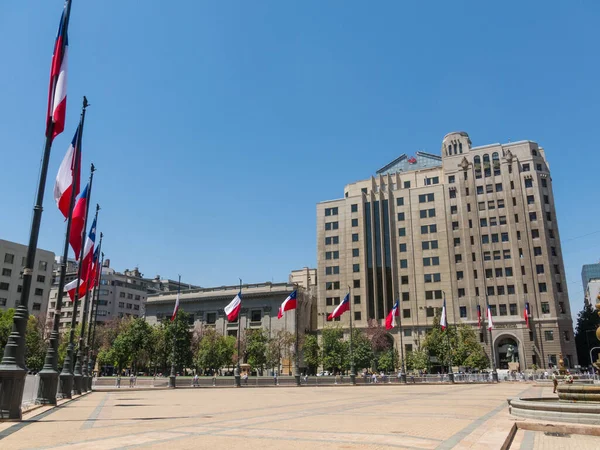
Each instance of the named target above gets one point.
<point>131,380</point>
<point>554,381</point>
<point>119,381</point>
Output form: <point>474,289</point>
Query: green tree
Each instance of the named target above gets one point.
<point>281,345</point>
<point>64,343</point>
<point>388,360</point>
<point>35,346</point>
<point>417,359</point>
<point>214,350</point>
<point>312,353</point>
<point>179,330</point>
<point>335,350</point>
<point>160,348</point>
<point>6,323</point>
<point>585,333</point>
<point>256,348</point>
<point>362,350</point>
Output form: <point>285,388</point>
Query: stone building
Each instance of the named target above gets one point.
<point>12,262</point>
<point>475,225</point>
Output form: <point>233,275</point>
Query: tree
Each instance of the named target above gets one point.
<point>335,350</point>
<point>388,360</point>
<point>312,353</point>
<point>214,350</point>
<point>256,348</point>
<point>362,350</point>
<point>417,359</point>
<point>585,333</point>
<point>281,345</point>
<point>35,346</point>
<point>64,343</point>
<point>179,330</point>
<point>6,323</point>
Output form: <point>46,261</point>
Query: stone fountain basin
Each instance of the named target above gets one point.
<point>554,410</point>
<point>579,393</point>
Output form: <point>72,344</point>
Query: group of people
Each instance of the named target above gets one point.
<point>568,379</point>
<point>132,381</point>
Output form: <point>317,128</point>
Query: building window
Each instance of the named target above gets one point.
<point>355,252</point>
<point>255,315</point>
<point>566,336</point>
<point>331,211</point>
<point>41,279</point>
<point>456,242</point>
<point>357,315</point>
<point>332,270</point>
<point>506,254</point>
<point>452,193</point>
<point>451,179</point>
<point>513,309</point>
<point>504,237</point>
<point>3,301</point>
<point>39,291</point>
<point>490,290</point>
<point>405,296</point>
<point>459,275</point>
<point>461,292</point>
<point>455,225</point>
<point>407,185</point>
<point>503,311</point>
<point>404,279</point>
<point>354,222</point>
<point>401,232</point>
<point>432,277</point>
<point>458,258</point>
<point>355,268</point>
<point>121,304</point>
<point>425,198</point>
<point>485,239</point>
<point>400,216</point>
<point>549,335</point>
<point>400,201</point>
<point>354,208</point>
<point>493,309</point>
<point>356,283</point>
<point>6,272</point>
<point>430,311</point>
<point>526,168</point>
<point>4,286</point>
<point>355,237</point>
<point>357,299</point>
<point>561,307</point>
<point>545,308</point>
<point>331,226</point>
<point>331,285</point>
<point>406,313</point>
<point>9,258</point>
<point>508,272</point>
<point>487,256</point>
<point>542,287</point>
<point>429,229</point>
<point>402,248</point>
<point>404,263</point>
<point>332,240</point>
<point>431,261</point>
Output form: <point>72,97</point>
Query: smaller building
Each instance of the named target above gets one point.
<point>12,262</point>
<point>589,272</point>
<point>592,291</point>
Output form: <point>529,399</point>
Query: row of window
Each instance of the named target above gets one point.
<point>129,296</point>
<point>129,306</point>
<point>6,286</point>
<point>8,272</point>
<point>9,258</point>
<point>494,238</point>
<point>331,211</point>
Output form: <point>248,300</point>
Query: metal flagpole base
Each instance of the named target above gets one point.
<point>47,389</point>
<point>451,377</point>
<point>297,377</point>
<point>403,378</point>
<point>12,382</point>
<point>77,379</point>
<point>172,381</point>
<point>65,387</point>
<point>495,376</point>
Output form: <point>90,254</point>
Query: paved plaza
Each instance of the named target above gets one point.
<point>367,417</point>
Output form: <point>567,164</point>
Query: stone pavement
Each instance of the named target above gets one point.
<point>463,416</point>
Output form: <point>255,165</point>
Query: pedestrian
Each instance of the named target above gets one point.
<point>196,381</point>
<point>374,377</point>
<point>554,382</point>
<point>131,380</point>
<point>119,381</point>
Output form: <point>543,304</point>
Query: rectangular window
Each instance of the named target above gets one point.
<point>502,220</point>
<point>566,336</point>
<point>255,315</point>
<point>485,239</point>
<point>451,179</point>
<point>458,258</point>
<point>402,248</point>
<point>456,242</point>
<point>525,168</point>
<point>504,237</point>
<point>481,206</point>
<point>489,273</point>
<point>500,290</point>
<point>4,286</point>
<point>404,279</point>
<point>404,263</point>
<point>542,287</point>
<point>559,287</point>
<point>493,309</point>
<point>528,183</point>
<point>406,313</point>
<point>354,222</point>
<point>479,190</point>
<point>461,292</point>
<point>489,188</point>
<point>355,252</point>
<point>453,209</point>
<point>537,251</point>
<point>546,200</point>
<point>539,269</point>
<point>499,272</point>
<point>483,222</point>
<point>491,290</point>
<point>430,311</point>
<point>493,222</point>
<point>463,312</point>
<point>9,258</point>
<point>331,211</point>
<point>498,187</point>
<point>459,275</point>
<point>121,304</point>
<point>6,272</point>
<point>39,291</point>
<point>400,201</point>
<point>357,315</point>
<point>354,208</point>
<point>332,240</point>
<point>506,254</point>
<point>508,272</point>
<point>331,226</point>
<point>356,283</point>
<point>355,237</point>
<point>545,308</point>
<point>491,204</point>
<point>503,311</point>
<point>401,232</point>
<point>405,296</point>
<point>530,199</point>
<point>513,309</point>
<point>532,216</point>
<point>357,299</point>
<point>407,185</point>
<point>487,256</point>
<point>544,182</point>
<point>561,307</point>
<point>495,238</point>
<point>549,335</point>
<point>355,268</point>
<point>400,216</point>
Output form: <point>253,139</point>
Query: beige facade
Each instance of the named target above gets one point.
<point>476,225</point>
<point>12,262</point>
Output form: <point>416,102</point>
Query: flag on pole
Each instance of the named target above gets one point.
<point>86,262</point>
<point>390,320</point>
<point>478,316</point>
<point>341,308</point>
<point>174,315</point>
<point>68,177</point>
<point>526,314</point>
<point>489,318</point>
<point>443,320</point>
<point>57,92</point>
<point>288,304</point>
<point>78,221</point>
<point>233,309</point>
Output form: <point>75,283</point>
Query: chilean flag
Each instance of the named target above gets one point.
<point>341,308</point>
<point>390,320</point>
<point>443,320</point>
<point>527,314</point>
<point>174,315</point>
<point>86,262</point>
<point>233,309</point>
<point>57,92</point>
<point>288,304</point>
<point>78,220</point>
<point>489,318</point>
<point>478,316</point>
<point>69,175</point>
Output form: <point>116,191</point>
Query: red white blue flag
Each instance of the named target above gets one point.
<point>78,221</point>
<point>86,262</point>
<point>443,319</point>
<point>57,92</point>
<point>69,175</point>
<point>527,314</point>
<point>489,317</point>
<point>478,316</point>
<point>233,309</point>
<point>390,320</point>
<point>288,304</point>
<point>341,308</point>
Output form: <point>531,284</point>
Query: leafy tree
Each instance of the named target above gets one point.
<point>388,360</point>
<point>160,348</point>
<point>362,350</point>
<point>179,330</point>
<point>585,333</point>
<point>281,345</point>
<point>214,350</point>
<point>417,359</point>
<point>256,348</point>
<point>64,343</point>
<point>312,353</point>
<point>6,323</point>
<point>35,346</point>
<point>335,350</point>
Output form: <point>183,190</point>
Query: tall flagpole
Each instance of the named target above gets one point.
<point>237,372</point>
<point>78,372</point>
<point>297,371</point>
<point>173,375</point>
<point>66,376</point>
<point>92,319</point>
<point>84,340</point>
<point>488,311</point>
<point>447,330</point>
<point>12,368</point>
<point>92,352</point>
<point>49,374</point>
<point>403,362</point>
<point>352,370</point>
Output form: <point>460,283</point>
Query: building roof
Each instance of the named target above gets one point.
<point>405,163</point>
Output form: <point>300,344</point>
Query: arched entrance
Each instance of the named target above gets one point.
<point>507,349</point>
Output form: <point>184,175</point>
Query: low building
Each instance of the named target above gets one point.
<point>592,291</point>
<point>12,262</point>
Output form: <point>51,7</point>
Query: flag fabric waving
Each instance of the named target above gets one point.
<point>390,320</point>
<point>288,304</point>
<point>478,316</point>
<point>174,315</point>
<point>77,221</point>
<point>341,308</point>
<point>233,309</point>
<point>86,262</point>
<point>69,175</point>
<point>526,314</point>
<point>443,320</point>
<point>489,318</point>
<point>57,92</point>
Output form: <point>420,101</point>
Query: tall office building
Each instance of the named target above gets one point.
<point>12,262</point>
<point>589,272</point>
<point>475,225</point>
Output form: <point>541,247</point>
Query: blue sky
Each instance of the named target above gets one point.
<point>216,127</point>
